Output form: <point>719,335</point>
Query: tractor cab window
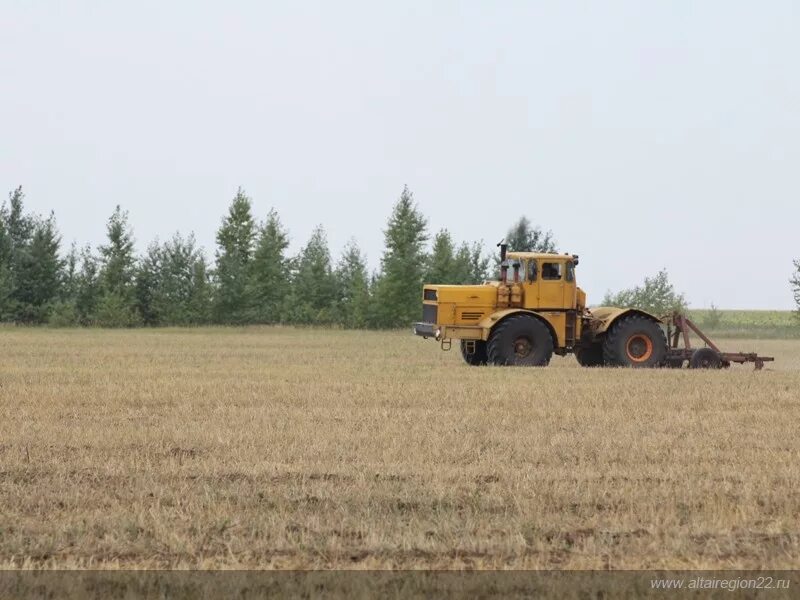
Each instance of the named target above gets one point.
<point>551,271</point>
<point>570,271</point>
<point>530,270</point>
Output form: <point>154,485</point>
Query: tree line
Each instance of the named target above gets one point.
<point>252,279</point>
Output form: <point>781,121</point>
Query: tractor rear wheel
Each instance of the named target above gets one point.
<point>590,356</point>
<point>520,340</point>
<point>474,355</point>
<point>635,341</point>
<point>705,358</point>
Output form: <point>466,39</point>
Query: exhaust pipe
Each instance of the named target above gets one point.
<point>503,263</point>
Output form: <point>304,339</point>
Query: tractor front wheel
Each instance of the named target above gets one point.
<point>520,340</point>
<point>635,341</point>
<point>474,352</point>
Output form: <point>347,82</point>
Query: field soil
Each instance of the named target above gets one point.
<point>292,448</point>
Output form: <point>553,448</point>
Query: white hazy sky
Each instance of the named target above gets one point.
<point>644,134</point>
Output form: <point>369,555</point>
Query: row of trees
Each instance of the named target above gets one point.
<point>252,278</point>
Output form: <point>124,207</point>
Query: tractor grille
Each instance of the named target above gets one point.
<point>471,316</point>
<point>430,312</point>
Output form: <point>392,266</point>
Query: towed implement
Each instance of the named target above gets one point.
<point>537,311</point>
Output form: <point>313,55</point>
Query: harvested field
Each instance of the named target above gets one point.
<point>285,448</point>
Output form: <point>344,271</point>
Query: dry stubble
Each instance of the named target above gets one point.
<point>302,449</point>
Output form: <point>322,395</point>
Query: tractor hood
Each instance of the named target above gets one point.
<point>477,295</point>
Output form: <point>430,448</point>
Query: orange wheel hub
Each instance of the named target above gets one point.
<point>639,348</point>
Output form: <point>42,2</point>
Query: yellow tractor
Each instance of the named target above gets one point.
<point>536,310</point>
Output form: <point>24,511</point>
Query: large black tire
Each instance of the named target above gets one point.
<point>705,358</point>
<point>590,356</point>
<point>520,340</point>
<point>476,358</point>
<point>635,341</point>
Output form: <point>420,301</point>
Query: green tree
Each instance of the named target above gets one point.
<point>352,286</point>
<point>795,281</point>
<point>39,278</point>
<point>64,311</point>
<point>235,240</point>
<point>117,256</point>
<point>313,292</point>
<point>398,287</point>
<point>524,237</point>
<point>471,266</point>
<point>88,288</point>
<point>201,293</point>
<point>29,262</point>
<point>657,295</point>
<point>117,305</point>
<point>441,264</point>
<point>183,284</point>
<point>6,272</point>
<point>148,285</point>
<point>269,272</point>
<point>172,284</point>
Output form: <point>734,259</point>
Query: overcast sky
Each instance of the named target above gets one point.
<point>644,134</point>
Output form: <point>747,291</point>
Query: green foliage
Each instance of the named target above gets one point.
<point>235,240</point>
<point>524,237</point>
<point>87,288</point>
<point>657,295</point>
<point>313,292</point>
<point>352,288</point>
<point>795,281</point>
<point>446,265</point>
<point>172,284</point>
<point>117,257</point>
<point>753,324</point>
<point>63,313</point>
<point>116,306</point>
<point>269,273</point>
<point>441,264</point>
<point>472,266</point>
<point>30,267</point>
<point>115,310</point>
<point>712,318</point>
<point>398,287</point>
<point>253,280</point>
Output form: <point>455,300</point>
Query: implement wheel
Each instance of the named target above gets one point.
<point>590,356</point>
<point>474,352</point>
<point>705,358</point>
<point>520,340</point>
<point>635,341</point>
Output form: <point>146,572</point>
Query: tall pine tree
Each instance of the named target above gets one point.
<point>313,293</point>
<point>352,287</point>
<point>398,288</point>
<point>88,290</point>
<point>269,272</point>
<point>39,279</point>
<point>117,306</point>
<point>441,264</point>
<point>29,262</point>
<point>235,242</point>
